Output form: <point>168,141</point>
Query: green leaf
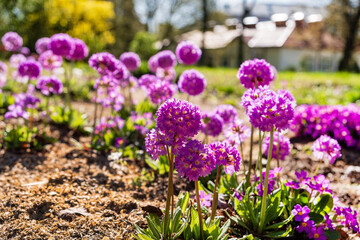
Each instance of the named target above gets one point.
<point>224,228</point>
<point>176,219</point>
<point>332,235</point>
<point>194,223</point>
<point>144,237</point>
<point>183,202</point>
<point>304,197</point>
<point>279,224</point>
<point>153,229</point>
<point>316,217</point>
<point>279,234</point>
<point>325,203</point>
<point>181,229</point>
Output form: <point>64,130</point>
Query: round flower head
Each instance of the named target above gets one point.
<point>288,95</point>
<point>161,91</point>
<point>284,146</point>
<point>167,74</point>
<point>12,41</point>
<point>317,233</point>
<point>237,132</point>
<point>212,124</point>
<point>25,51</point>
<point>131,60</point>
<point>271,111</point>
<point>253,94</point>
<point>3,68</point>
<point>147,80</point>
<point>16,59</point>
<point>29,69</point>
<point>326,147</point>
<point>49,60</point>
<point>152,63</point>
<point>177,118</point>
<point>227,112</point>
<point>61,44</point>
<point>103,62</point>
<point>16,111</point>
<point>166,59</point>
<point>194,160</point>
<point>227,156</point>
<point>192,82</point>
<point>79,50</point>
<point>300,213</point>
<point>42,45</point>
<point>105,81</point>
<point>121,74</point>
<point>187,52</point>
<point>255,73</point>
<point>49,84</point>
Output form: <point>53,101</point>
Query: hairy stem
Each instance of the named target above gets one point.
<point>250,158</point>
<point>215,195</point>
<point>199,209</point>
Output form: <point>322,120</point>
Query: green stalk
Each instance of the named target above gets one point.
<point>95,115</point>
<point>199,209</point>
<point>169,197</point>
<point>215,195</point>
<point>250,158</point>
<point>258,162</point>
<point>263,201</point>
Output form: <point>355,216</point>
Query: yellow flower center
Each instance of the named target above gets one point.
<point>304,224</point>
<point>300,213</point>
<point>316,235</point>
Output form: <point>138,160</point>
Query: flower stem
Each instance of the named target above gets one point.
<point>95,115</point>
<point>250,158</point>
<point>215,194</point>
<point>265,191</point>
<point>170,195</point>
<point>259,162</point>
<point>278,150</point>
<point>317,167</point>
<point>199,209</point>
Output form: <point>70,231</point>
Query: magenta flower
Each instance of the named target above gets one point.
<point>16,59</point>
<point>12,41</point>
<point>25,51</point>
<point>166,59</point>
<point>61,44</point>
<point>255,73</point>
<point>152,63</point>
<point>320,184</point>
<point>350,218</point>
<point>177,118</point>
<point>15,112</point>
<point>194,160</point>
<point>49,60</point>
<point>30,69</point>
<point>284,146</point>
<point>166,74</point>
<point>187,53</point>
<point>302,177</point>
<point>227,112</point>
<point>121,74</point>
<point>79,50</point>
<point>156,143</point>
<point>227,156</point>
<point>300,213</point>
<point>306,225</point>
<point>131,60</point>
<point>192,82</point>
<point>237,132</point>
<point>317,233</point>
<point>49,84</point>
<point>147,80</point>
<point>205,199</point>
<point>103,62</point>
<point>161,91</point>
<point>292,184</point>
<point>212,124</point>
<point>326,147</point>
<point>42,45</point>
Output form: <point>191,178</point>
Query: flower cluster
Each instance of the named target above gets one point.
<point>272,175</point>
<point>49,84</point>
<point>284,146</point>
<point>348,218</point>
<point>212,124</point>
<point>79,50</point>
<point>161,91</point>
<point>104,63</point>
<point>187,53</point>
<point>42,45</point>
<point>142,122</point>
<point>194,160</point>
<point>12,41</point>
<point>237,132</point>
<point>131,60</point>
<point>109,123</point>
<point>30,69</point>
<point>16,59</point>
<point>23,101</point>
<point>227,156</point>
<point>227,112</point>
<point>192,82</point>
<point>301,215</point>
<point>340,122</point>
<point>327,148</point>
<point>255,73</point>
<point>49,60</point>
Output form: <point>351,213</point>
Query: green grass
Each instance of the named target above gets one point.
<point>307,87</point>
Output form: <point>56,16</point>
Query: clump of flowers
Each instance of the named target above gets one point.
<point>165,59</point>
<point>42,45</point>
<point>161,91</point>
<point>147,80</point>
<point>192,82</point>
<point>237,132</point>
<point>227,156</point>
<point>49,60</point>
<point>49,85</point>
<point>281,146</point>
<point>61,44</point>
<point>327,148</point>
<point>255,73</point>
<point>30,69</point>
<point>104,63</point>
<point>166,74</point>
<point>79,51</point>
<point>16,59</point>
<point>227,112</point>
<point>212,124</point>
<point>12,41</point>
<point>131,60</point>
<point>188,53</point>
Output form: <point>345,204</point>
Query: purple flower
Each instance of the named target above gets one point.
<point>147,80</point>
<point>12,41</point>
<point>30,69</point>
<point>192,82</point>
<point>103,62</point>
<point>26,100</point>
<point>49,84</point>
<point>306,225</point>
<point>152,63</point>
<point>212,124</point>
<point>156,143</point>
<point>292,184</point>
<point>15,112</point>
<point>317,233</point>
<point>187,52</point>
<point>161,91</point>
<point>350,218</point>
<point>166,59</point>
<point>227,112</point>
<point>321,184</point>
<point>177,118</point>
<point>261,186</point>
<point>42,45</point>
<point>329,222</point>
<point>239,196</point>
<point>25,51</point>
<point>3,68</point>
<point>255,73</point>
<point>61,44</point>
<point>300,213</point>
<point>237,132</point>
<point>253,94</point>
<point>79,51</point>
<point>326,147</point>
<point>131,60</point>
<point>16,59</point>
<point>227,156</point>
<point>119,142</point>
<point>194,160</point>
<point>205,199</point>
<point>105,81</point>
<point>50,61</point>
<point>121,74</point>
<point>302,177</point>
<point>284,146</point>
<point>167,74</point>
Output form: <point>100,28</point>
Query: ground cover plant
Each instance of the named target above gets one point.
<point>214,171</point>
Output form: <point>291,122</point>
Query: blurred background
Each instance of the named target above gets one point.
<point>293,35</point>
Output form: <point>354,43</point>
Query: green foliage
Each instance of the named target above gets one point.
<point>161,165</point>
<point>144,45</point>
<point>70,118</point>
